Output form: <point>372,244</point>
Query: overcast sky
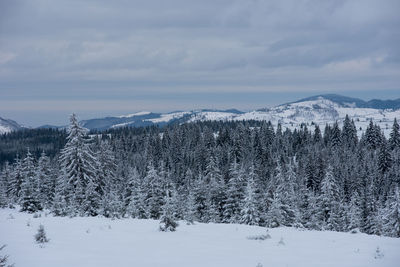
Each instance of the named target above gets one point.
<point>96,57</point>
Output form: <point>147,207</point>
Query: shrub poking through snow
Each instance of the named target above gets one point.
<point>168,223</point>
<point>281,242</point>
<point>378,253</point>
<point>40,236</point>
<point>259,237</point>
<point>4,259</point>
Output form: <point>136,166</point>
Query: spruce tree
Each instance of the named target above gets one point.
<point>40,236</point>
<point>394,140</point>
<point>136,196</point>
<point>3,194</point>
<point>106,184</point>
<point>391,216</point>
<point>234,194</point>
<point>384,158</point>
<point>349,134</point>
<point>4,258</point>
<point>154,186</point>
<point>308,208</point>
<point>274,216</point>
<point>15,182</point>
<point>215,193</point>
<point>373,136</point>
<point>30,187</point>
<point>78,166</point>
<point>354,212</point>
<point>317,135</point>
<point>91,205</point>
<point>5,178</point>
<point>336,136</point>
<point>329,201</point>
<point>249,213</point>
<point>281,210</point>
<point>190,208</point>
<point>46,181</point>
<point>285,194</point>
<point>167,222</point>
<point>200,196</point>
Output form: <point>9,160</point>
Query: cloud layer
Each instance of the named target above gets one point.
<point>108,49</point>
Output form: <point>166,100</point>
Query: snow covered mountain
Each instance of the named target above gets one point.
<point>326,109</point>
<point>316,110</point>
<point>7,126</point>
<point>320,110</point>
<point>357,103</point>
<point>146,118</point>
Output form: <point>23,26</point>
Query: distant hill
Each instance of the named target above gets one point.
<point>318,110</point>
<point>7,126</point>
<point>355,102</point>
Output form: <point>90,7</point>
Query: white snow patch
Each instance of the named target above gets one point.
<point>121,124</point>
<point>316,112</point>
<point>102,242</point>
<point>212,116</point>
<point>169,116</point>
<point>141,113</point>
<point>5,129</point>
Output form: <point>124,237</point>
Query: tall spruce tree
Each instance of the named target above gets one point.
<point>391,216</point>
<point>154,199</point>
<point>136,195</point>
<point>215,194</point>
<point>107,186</point>
<point>394,140</point>
<point>30,186</point>
<point>384,158</point>
<point>78,166</point>
<point>354,212</point>
<point>249,213</point>
<point>329,201</point>
<point>167,221</point>
<point>46,180</point>
<point>5,176</point>
<point>15,182</point>
<point>3,192</point>
<point>349,134</point>
<point>234,194</point>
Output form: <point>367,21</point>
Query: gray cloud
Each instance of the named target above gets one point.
<point>107,49</point>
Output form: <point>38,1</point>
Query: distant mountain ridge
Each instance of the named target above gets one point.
<point>143,118</point>
<point>7,126</point>
<point>318,110</point>
<point>356,102</point>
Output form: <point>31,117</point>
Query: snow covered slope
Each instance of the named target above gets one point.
<point>145,118</point>
<point>7,126</point>
<point>320,110</point>
<point>104,242</point>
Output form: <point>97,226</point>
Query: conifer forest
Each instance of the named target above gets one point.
<point>246,172</point>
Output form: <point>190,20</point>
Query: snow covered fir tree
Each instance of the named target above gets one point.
<point>224,172</point>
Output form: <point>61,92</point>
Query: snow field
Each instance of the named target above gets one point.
<point>95,241</point>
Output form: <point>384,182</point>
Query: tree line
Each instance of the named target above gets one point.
<point>222,172</point>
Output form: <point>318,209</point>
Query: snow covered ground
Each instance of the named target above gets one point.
<point>128,242</point>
